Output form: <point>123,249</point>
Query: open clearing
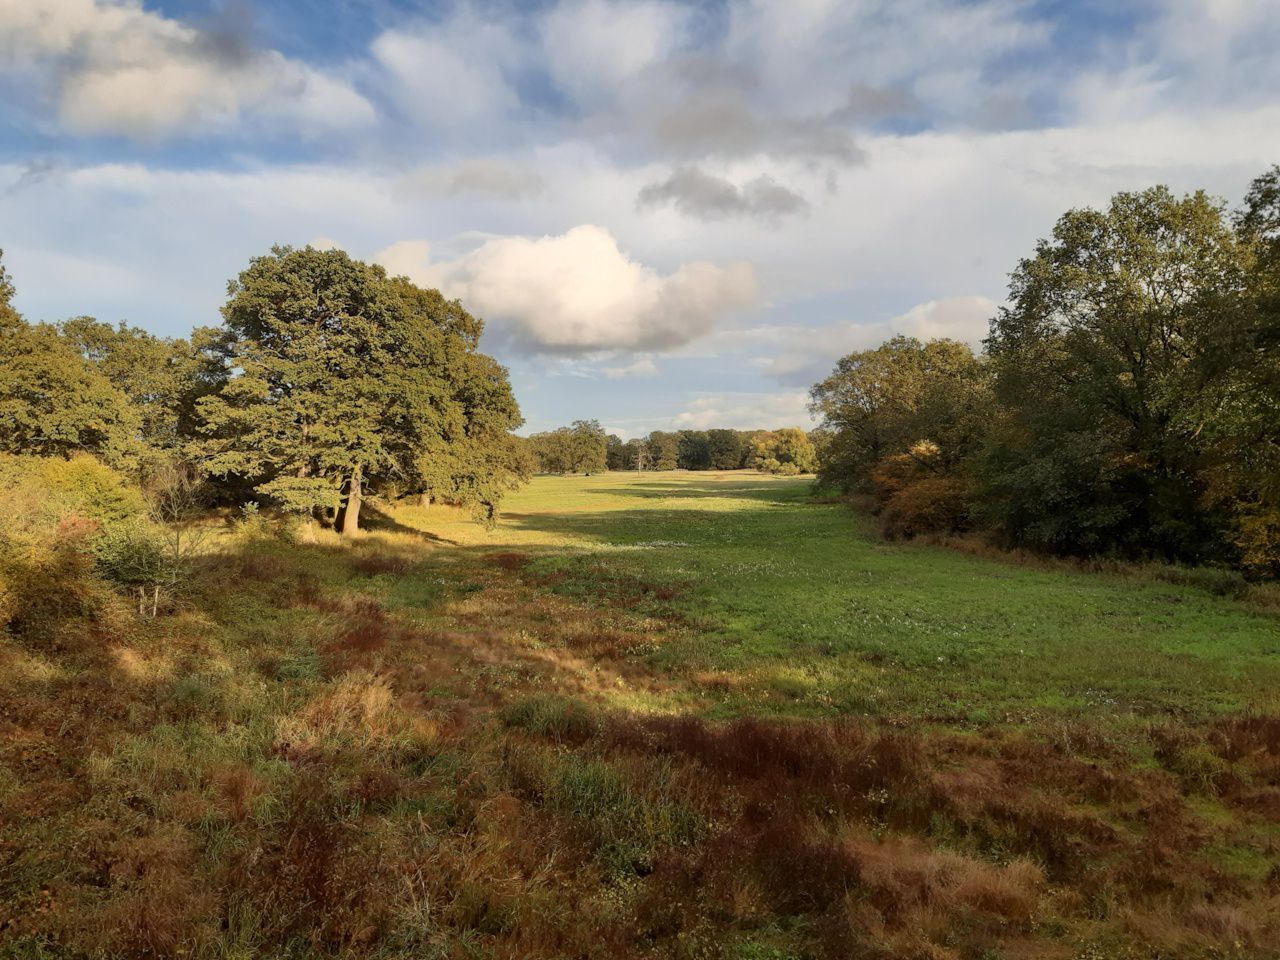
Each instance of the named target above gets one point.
<point>646,715</point>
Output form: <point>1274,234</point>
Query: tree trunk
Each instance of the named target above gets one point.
<point>349,515</point>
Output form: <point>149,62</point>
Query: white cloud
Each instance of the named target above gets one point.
<point>450,75</point>
<point>955,318</point>
<point>745,411</point>
<point>407,258</point>
<point>643,367</point>
<point>578,292</point>
<point>595,47</point>
<point>116,68</point>
<point>801,355</point>
<point>1192,55</point>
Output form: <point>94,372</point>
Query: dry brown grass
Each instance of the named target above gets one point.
<point>475,779</point>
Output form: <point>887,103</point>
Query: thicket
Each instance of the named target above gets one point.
<point>327,384</point>
<point>1127,402</point>
<point>585,447</point>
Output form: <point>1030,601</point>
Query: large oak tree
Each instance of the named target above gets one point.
<point>345,381</point>
<point>1112,333</point>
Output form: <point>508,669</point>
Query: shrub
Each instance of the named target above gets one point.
<point>42,585</point>
<point>42,492</point>
<point>1257,536</point>
<point>928,505</point>
<point>915,495</point>
<point>133,554</point>
<point>92,489</point>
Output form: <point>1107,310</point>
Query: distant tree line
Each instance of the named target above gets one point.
<point>585,447</point>
<point>327,383</point>
<point>1127,402</point>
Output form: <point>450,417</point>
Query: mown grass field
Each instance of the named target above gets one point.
<point>666,715</point>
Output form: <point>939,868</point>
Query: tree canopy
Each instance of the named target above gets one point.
<point>52,402</point>
<point>348,382</point>
<point>582,447</point>
<point>1127,403</point>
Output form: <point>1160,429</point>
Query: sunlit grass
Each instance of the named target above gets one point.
<point>815,613</point>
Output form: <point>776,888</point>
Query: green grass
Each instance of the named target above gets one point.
<point>446,740</point>
<point>813,613</point>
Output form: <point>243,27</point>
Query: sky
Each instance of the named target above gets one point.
<point>670,214</point>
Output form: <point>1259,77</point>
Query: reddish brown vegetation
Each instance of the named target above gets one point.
<point>421,792</point>
<point>510,561</point>
<point>373,564</point>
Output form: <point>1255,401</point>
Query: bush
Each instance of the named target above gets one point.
<point>58,509</point>
<point>44,491</point>
<point>915,496</point>
<point>928,505</point>
<point>1257,537</point>
<point>133,554</point>
<point>43,584</point>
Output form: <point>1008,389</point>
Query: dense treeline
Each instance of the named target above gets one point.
<point>328,382</point>
<point>585,447</point>
<point>1127,403</point>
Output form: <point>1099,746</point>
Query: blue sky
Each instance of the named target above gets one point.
<point>670,213</point>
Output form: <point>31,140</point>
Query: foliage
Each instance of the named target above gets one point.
<point>41,492</point>
<point>916,494</point>
<point>1126,405</point>
<point>618,455</point>
<point>879,403</point>
<point>7,312</point>
<point>52,403</point>
<point>1111,331</point>
<point>132,554</point>
<point>693,450</point>
<point>582,447</point>
<point>787,452</point>
<point>57,509</point>
<point>162,379</point>
<point>663,450</point>
<point>349,382</point>
<point>726,449</point>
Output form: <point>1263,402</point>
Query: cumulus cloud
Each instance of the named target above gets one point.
<point>408,258</point>
<point>700,195</point>
<point>115,68</point>
<point>578,292</point>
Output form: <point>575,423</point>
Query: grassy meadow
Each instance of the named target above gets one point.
<point>656,715</point>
